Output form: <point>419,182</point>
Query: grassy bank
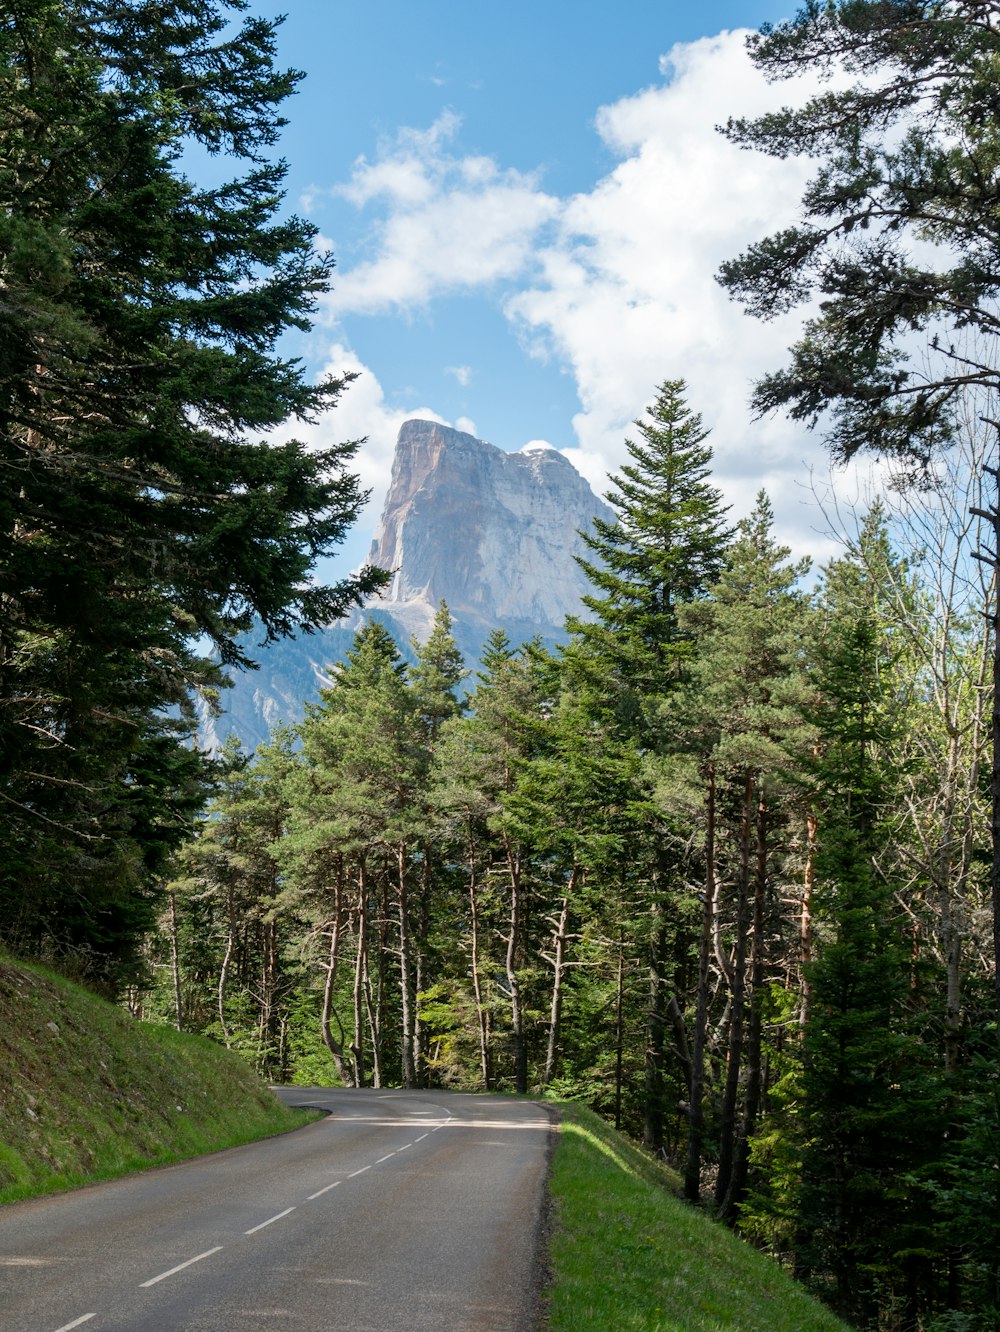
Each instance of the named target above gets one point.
<point>626,1253</point>
<point>87,1093</point>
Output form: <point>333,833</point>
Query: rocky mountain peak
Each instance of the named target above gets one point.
<point>491,533</point>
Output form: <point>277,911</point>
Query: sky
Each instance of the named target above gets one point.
<point>528,204</point>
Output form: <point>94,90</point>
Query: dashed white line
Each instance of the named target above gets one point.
<point>76,1322</point>
<point>422,1136</point>
<point>406,1147</point>
<point>359,1172</point>
<point>179,1268</point>
<point>322,1191</point>
<point>385,1158</point>
<point>269,1222</point>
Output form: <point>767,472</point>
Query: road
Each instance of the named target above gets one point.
<point>400,1210</point>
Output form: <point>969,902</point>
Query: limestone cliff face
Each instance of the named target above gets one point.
<point>491,533</point>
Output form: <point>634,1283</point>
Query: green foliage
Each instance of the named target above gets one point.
<point>663,549</point>
<point>899,227</point>
<point>138,380</point>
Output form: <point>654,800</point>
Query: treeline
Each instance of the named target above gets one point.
<point>720,868</point>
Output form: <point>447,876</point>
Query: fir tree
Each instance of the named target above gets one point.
<point>138,381</point>
<point>664,547</point>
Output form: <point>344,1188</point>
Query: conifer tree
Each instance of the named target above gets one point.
<point>749,693</point>
<point>872,1111</point>
<point>139,379</point>
<point>665,547</point>
<point>356,814</point>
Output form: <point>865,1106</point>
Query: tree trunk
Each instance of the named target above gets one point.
<point>696,1094</point>
<point>993,617</point>
<point>358,1042</point>
<point>477,988</point>
<point>805,917</point>
<point>558,966</point>
<point>332,1043</point>
<point>409,1070</point>
<point>730,1097</point>
<point>226,960</point>
<point>619,1029</point>
<point>653,1115</point>
<point>175,964</point>
<point>510,964</point>
<point>754,1041</point>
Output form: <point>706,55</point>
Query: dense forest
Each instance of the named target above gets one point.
<point>720,868</point>
<point>725,865</point>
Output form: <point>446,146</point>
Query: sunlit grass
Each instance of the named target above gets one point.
<point>87,1093</point>
<point>629,1255</point>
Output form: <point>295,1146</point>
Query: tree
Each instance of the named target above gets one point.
<point>749,701</point>
<point>666,545</point>
<point>144,506</point>
<point>872,1114</point>
<point>355,817</point>
<point>900,230</point>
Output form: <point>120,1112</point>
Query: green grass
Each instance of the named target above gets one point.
<point>627,1254</point>
<point>88,1093</point>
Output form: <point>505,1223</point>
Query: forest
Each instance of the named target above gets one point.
<point>726,865</point>
<point>720,868</point>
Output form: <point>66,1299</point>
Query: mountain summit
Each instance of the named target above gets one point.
<point>491,533</point>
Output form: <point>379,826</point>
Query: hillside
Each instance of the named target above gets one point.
<point>87,1093</point>
<point>625,1253</point>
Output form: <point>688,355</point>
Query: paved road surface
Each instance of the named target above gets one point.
<point>402,1210</point>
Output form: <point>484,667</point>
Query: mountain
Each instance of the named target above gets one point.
<point>493,534</point>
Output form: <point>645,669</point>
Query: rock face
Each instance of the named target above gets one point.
<point>493,534</point>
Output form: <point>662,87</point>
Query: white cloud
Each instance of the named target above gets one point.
<point>615,284</point>
<point>463,373</point>
<point>627,295</point>
<point>452,223</point>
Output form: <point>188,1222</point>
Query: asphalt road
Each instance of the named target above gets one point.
<point>417,1211</point>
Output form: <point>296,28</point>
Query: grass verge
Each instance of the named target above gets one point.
<point>88,1093</point>
<point>627,1254</point>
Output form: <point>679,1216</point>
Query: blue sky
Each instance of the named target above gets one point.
<point>527,204</point>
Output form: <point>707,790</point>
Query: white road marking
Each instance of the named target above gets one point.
<point>406,1147</point>
<point>269,1222</point>
<point>76,1322</point>
<point>422,1136</point>
<point>179,1268</point>
<point>359,1172</point>
<point>322,1191</point>
<point>385,1158</point>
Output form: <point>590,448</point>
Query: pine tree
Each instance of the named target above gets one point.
<point>747,711</point>
<point>664,547</point>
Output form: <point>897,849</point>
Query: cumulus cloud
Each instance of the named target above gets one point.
<point>627,295</point>
<point>450,223</point>
<point>616,284</point>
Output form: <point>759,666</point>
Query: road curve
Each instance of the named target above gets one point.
<point>400,1210</point>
